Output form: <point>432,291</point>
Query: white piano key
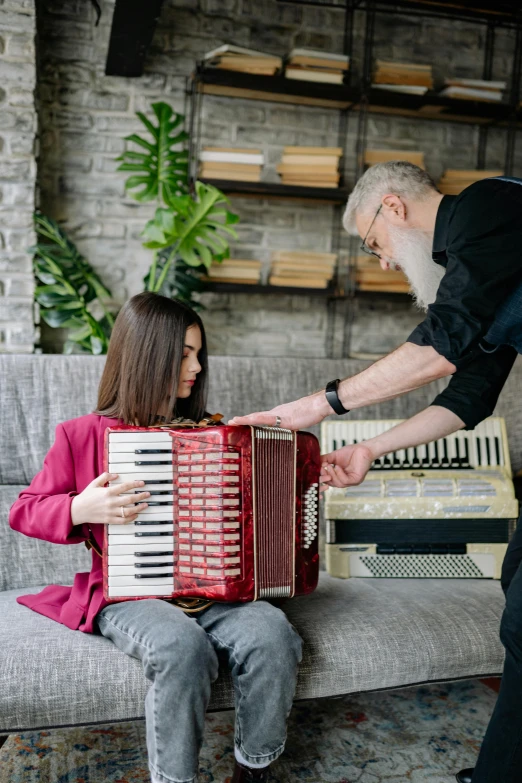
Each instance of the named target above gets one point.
<point>118,530</point>
<point>149,479</point>
<point>138,542</point>
<point>127,581</point>
<point>130,570</point>
<point>139,437</point>
<point>141,591</point>
<point>122,447</point>
<point>138,545</point>
<point>131,469</point>
<point>492,433</point>
<point>131,559</point>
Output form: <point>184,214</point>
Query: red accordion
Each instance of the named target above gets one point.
<point>232,514</point>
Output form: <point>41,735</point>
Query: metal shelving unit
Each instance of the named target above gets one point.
<point>360,99</point>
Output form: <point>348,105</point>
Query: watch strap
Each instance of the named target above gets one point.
<point>332,397</point>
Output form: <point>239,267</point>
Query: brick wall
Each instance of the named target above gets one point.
<point>17,174</point>
<point>84,115</point>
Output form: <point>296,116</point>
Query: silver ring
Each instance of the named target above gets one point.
<point>278,421</point>
<point>123,512</point>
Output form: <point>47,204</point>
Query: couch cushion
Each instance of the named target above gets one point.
<point>27,562</point>
<point>359,635</point>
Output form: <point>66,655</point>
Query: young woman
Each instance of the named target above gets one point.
<point>157,367</point>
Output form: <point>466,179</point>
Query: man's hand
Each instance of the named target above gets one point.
<point>346,467</point>
<point>296,415</point>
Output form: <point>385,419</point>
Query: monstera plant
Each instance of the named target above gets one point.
<point>72,295</point>
<point>189,230</point>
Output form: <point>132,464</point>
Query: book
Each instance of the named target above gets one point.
<point>315,56</point>
<point>454,181</point>
<point>338,151</point>
<point>287,270</point>
<point>310,160</point>
<point>238,150</point>
<point>303,282</point>
<point>231,175</point>
<point>313,171</point>
<point>469,94</point>
<point>408,89</point>
<point>483,84</point>
<point>229,49</point>
<point>306,75</point>
<point>412,74</point>
<point>304,258</point>
<point>231,157</point>
<point>237,167</point>
<point>371,157</point>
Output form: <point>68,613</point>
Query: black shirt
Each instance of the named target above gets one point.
<point>478,239</point>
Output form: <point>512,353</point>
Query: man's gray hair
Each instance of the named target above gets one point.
<point>395,176</point>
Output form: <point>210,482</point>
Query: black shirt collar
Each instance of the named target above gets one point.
<point>440,236</point>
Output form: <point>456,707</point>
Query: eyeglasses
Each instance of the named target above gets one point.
<point>364,246</point>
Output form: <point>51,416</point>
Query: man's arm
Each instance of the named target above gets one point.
<point>350,464</point>
<point>409,367</point>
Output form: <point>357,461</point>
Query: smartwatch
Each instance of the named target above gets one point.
<point>333,397</point>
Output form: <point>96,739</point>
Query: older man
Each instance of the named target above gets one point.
<point>463,257</point>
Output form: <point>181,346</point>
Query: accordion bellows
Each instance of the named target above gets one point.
<point>232,516</point>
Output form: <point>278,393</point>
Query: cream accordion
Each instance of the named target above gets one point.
<point>232,514</point>
<point>445,509</point>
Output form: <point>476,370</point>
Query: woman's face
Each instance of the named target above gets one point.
<point>190,365</point>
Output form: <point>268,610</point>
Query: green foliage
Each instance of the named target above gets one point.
<point>72,292</point>
<point>161,171</point>
<point>187,232</point>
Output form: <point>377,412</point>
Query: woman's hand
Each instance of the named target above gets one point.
<point>102,505</point>
<point>346,467</point>
<point>296,415</point>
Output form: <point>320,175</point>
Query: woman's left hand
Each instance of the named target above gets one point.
<point>296,415</point>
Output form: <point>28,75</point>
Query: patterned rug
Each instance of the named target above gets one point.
<point>415,735</point>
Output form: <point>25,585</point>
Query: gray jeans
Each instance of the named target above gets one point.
<point>180,653</point>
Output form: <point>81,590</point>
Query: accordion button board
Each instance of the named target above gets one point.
<point>232,513</point>
<point>445,509</point>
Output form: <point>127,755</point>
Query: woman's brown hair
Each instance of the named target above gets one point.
<point>144,360</point>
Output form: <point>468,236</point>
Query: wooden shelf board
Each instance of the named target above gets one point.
<point>279,191</point>
<point>258,288</point>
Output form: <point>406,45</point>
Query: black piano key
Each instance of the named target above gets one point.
<point>479,451</point>
<point>436,461</point>
<point>445,458</point>
<point>497,450</point>
<point>334,445</point>
<point>146,535</point>
<point>152,565</point>
<point>455,461</point>
<point>155,522</point>
<point>153,576</point>
<point>416,461</point>
<point>155,462</point>
<point>387,461</point>
<point>155,491</point>
<point>396,461</point>
<point>153,451</point>
<point>426,459</point>
<point>466,454</point>
<point>164,503</point>
<point>152,554</point>
<point>488,450</point>
<point>154,481</point>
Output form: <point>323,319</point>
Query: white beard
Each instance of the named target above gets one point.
<point>412,250</point>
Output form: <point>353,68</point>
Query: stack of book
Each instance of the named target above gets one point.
<point>314,167</point>
<point>371,157</point>
<point>453,181</point>
<point>403,77</point>
<point>230,163</point>
<point>302,268</point>
<point>310,65</point>
<point>236,58</point>
<point>369,276</point>
<point>474,89</point>
<point>235,270</point>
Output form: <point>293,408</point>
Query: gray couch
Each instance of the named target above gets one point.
<point>359,635</point>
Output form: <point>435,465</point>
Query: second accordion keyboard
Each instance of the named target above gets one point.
<point>445,509</point>
<point>232,515</point>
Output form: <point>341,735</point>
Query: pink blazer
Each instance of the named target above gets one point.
<point>44,511</point>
